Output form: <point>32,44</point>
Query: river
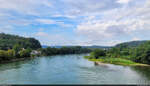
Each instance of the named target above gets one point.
<point>70,69</point>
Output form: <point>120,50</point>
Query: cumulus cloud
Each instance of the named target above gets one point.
<point>123,1</point>
<point>136,39</point>
<point>55,39</point>
<point>97,22</point>
<point>126,23</point>
<point>89,7</point>
<point>6,29</point>
<point>27,7</point>
<point>46,21</point>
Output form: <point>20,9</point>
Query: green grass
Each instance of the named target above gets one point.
<point>117,61</point>
<point>87,57</point>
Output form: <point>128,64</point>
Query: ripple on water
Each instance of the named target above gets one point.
<point>70,69</point>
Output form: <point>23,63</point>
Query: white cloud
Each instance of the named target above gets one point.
<point>120,24</point>
<point>42,34</point>
<point>6,29</point>
<point>123,1</point>
<point>53,39</point>
<point>28,7</point>
<point>45,21</point>
<point>102,22</point>
<point>136,39</point>
<point>88,7</point>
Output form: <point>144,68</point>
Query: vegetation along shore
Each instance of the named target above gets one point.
<point>123,54</point>
<point>16,48</point>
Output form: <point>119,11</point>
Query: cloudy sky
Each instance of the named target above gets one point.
<point>77,22</point>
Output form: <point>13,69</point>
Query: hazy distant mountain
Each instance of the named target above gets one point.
<point>132,43</point>
<point>44,46</point>
<point>129,44</point>
<point>94,46</point>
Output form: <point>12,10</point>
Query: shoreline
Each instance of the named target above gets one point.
<point>15,60</point>
<point>105,64</point>
<point>116,61</point>
<point>28,58</point>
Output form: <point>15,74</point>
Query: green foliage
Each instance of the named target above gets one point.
<point>16,48</point>
<point>118,61</point>
<point>64,50</point>
<point>10,54</point>
<point>8,41</point>
<point>98,53</point>
<point>140,54</point>
<point>131,44</point>
<point>114,52</point>
<point>2,55</point>
<point>7,55</point>
<point>25,53</point>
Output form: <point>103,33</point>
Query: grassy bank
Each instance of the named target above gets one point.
<point>117,61</point>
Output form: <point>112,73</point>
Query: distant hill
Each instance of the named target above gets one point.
<point>7,41</point>
<point>129,44</point>
<point>45,46</point>
<point>132,43</point>
<point>94,46</point>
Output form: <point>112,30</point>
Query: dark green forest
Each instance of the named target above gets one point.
<point>7,41</point>
<point>64,50</point>
<point>131,43</point>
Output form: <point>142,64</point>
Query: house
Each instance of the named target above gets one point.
<point>35,52</point>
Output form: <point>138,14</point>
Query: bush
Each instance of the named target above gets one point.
<point>7,55</point>
<point>25,53</point>
<point>10,54</point>
<point>98,53</point>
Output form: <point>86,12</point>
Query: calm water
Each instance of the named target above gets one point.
<point>70,69</point>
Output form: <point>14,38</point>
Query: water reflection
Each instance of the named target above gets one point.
<point>13,65</point>
<point>144,71</point>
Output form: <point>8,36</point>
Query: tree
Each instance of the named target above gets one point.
<point>25,53</point>
<point>141,53</point>
<point>7,41</point>
<point>10,54</point>
<point>114,52</point>
<point>97,53</point>
<point>2,55</point>
<point>16,48</point>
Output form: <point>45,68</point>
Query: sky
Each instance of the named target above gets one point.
<point>77,22</point>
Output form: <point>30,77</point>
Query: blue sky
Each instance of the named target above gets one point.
<point>77,22</point>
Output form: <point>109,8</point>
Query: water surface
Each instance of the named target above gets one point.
<point>70,69</point>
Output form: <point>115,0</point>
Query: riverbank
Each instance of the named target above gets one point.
<point>116,61</point>
<point>72,69</point>
<point>15,60</point>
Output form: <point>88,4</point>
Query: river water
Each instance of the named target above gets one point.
<point>70,69</point>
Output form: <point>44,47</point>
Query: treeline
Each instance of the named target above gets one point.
<point>18,52</point>
<point>15,47</point>
<point>63,50</point>
<point>7,42</point>
<point>15,53</point>
<point>139,54</point>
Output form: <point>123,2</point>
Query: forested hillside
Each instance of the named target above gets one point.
<point>7,41</point>
<point>131,43</point>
